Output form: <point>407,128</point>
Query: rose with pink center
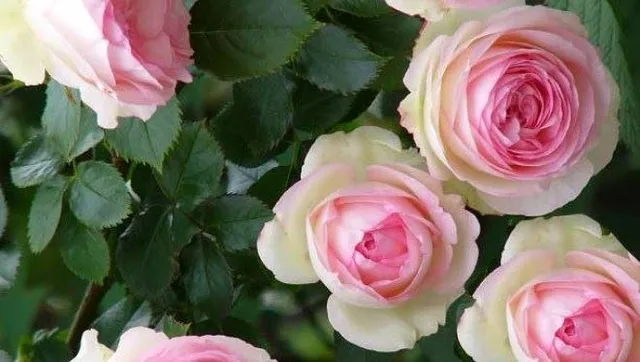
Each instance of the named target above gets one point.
<point>557,299</point>
<point>390,245</point>
<point>125,56</point>
<point>515,108</point>
<point>140,344</point>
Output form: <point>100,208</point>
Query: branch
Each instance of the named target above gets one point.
<point>87,312</point>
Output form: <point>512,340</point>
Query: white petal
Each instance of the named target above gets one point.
<point>362,147</point>
<point>282,245</point>
<point>391,329</point>
<point>560,235</point>
<point>20,50</point>
<point>560,192</point>
<point>91,350</point>
<point>135,342</point>
<point>482,330</point>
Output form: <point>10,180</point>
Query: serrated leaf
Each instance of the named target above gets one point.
<point>239,178</point>
<point>248,38</point>
<point>171,327</point>
<point>390,34</point>
<point>604,32</point>
<point>347,352</point>
<point>316,109</point>
<point>45,212</point>
<point>207,278</point>
<point>89,135</point>
<point>193,170</point>
<point>182,229</point>
<point>145,252</point>
<point>334,60</point>
<point>236,220</point>
<point>35,162</point>
<point>315,5</point>
<point>364,8</point>
<point>125,314</point>
<point>147,142</point>
<point>258,119</point>
<point>99,196</point>
<point>70,126</point>
<point>4,212</point>
<point>84,250</point>
<point>9,263</point>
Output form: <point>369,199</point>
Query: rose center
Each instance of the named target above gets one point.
<point>587,327</point>
<point>384,243</point>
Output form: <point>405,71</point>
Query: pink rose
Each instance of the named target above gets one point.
<point>390,245</point>
<point>517,108</point>
<point>563,293</point>
<point>146,345</point>
<point>125,56</point>
<point>435,10</point>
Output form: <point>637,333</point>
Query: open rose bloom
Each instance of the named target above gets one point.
<point>564,292</point>
<point>516,108</point>
<point>391,246</point>
<point>126,57</point>
<point>146,345</point>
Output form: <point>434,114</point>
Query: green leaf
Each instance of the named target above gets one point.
<point>315,5</point>
<point>236,221</point>
<point>45,212</point>
<point>9,263</point>
<point>147,142</point>
<point>70,126</point>
<point>334,60</point>
<point>125,314</point>
<point>4,212</point>
<point>364,8</point>
<point>604,32</point>
<point>390,34</point>
<point>347,352</point>
<point>182,229</point>
<point>35,162</point>
<point>258,119</point>
<point>272,185</point>
<point>443,346</point>
<point>89,135</point>
<point>239,178</point>
<point>99,196</point>
<point>145,252</point>
<point>248,38</point>
<point>316,109</point>
<point>44,346</point>
<point>193,170</point>
<point>171,327</point>
<point>207,278</point>
<point>83,250</point>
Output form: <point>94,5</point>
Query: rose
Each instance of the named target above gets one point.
<point>516,108</point>
<point>392,248</point>
<point>125,56</point>
<point>141,344</point>
<point>435,10</point>
<point>564,292</point>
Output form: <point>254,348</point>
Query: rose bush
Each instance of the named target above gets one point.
<point>141,344</point>
<point>391,246</point>
<point>564,292</point>
<point>516,107</point>
<point>126,57</point>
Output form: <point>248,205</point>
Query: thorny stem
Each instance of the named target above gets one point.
<point>87,312</point>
